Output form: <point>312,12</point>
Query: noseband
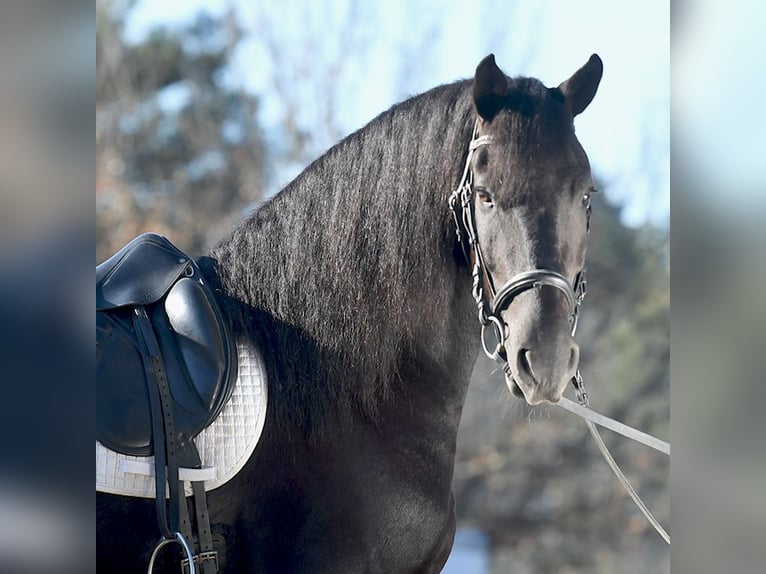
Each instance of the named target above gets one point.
<point>462,209</point>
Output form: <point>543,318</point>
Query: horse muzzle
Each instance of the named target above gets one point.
<point>542,372</point>
<point>538,360</point>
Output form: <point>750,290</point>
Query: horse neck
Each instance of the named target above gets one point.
<point>355,263</point>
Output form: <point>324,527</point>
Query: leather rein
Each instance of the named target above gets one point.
<point>461,205</point>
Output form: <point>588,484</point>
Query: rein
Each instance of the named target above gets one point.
<point>462,200</point>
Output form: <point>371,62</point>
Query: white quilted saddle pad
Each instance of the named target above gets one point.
<point>224,447</point>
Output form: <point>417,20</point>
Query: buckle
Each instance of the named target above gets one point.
<point>580,392</point>
<point>199,559</point>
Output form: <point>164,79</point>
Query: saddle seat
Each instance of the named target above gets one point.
<point>195,345</point>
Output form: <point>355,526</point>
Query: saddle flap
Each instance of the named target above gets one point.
<point>140,273</point>
<point>123,419</point>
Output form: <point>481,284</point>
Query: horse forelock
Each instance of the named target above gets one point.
<point>535,116</point>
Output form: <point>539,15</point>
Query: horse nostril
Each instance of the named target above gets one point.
<point>522,362</point>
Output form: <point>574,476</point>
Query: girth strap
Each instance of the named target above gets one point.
<point>207,557</point>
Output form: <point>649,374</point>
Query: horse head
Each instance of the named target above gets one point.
<point>529,207</point>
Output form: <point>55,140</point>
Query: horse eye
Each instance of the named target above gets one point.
<point>484,196</point>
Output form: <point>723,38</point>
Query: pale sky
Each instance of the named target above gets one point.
<point>719,92</point>
<point>625,131</point>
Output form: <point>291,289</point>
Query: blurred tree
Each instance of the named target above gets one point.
<point>179,151</point>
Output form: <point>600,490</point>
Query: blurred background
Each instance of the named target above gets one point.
<point>532,496</point>
<point>278,84</point>
<point>206,108</point>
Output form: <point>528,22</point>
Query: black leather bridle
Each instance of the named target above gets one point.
<point>462,208</point>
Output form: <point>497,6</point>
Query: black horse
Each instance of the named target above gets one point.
<point>357,289</point>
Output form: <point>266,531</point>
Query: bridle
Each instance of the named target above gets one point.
<point>463,212</point>
<point>462,208</point>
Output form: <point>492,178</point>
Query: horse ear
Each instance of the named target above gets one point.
<point>581,87</point>
<point>490,87</point>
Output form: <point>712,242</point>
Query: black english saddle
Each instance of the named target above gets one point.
<point>198,355</point>
<point>166,364</point>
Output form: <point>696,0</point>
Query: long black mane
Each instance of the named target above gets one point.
<point>348,261</point>
<point>346,273</point>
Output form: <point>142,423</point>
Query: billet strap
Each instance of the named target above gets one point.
<point>207,558</point>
